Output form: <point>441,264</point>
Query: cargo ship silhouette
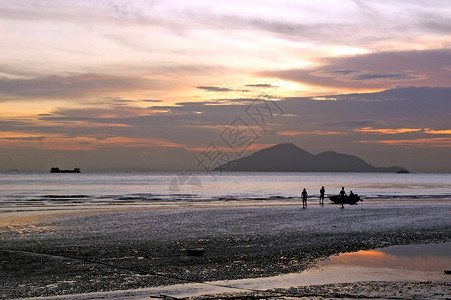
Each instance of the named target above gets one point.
<point>57,170</point>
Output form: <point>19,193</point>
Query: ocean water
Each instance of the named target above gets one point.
<point>42,188</point>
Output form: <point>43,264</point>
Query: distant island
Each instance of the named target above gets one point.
<point>288,157</point>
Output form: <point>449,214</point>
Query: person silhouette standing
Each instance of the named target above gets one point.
<point>342,196</point>
<point>321,195</point>
<point>342,192</point>
<point>304,198</point>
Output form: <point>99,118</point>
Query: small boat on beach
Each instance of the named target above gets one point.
<point>403,171</point>
<point>345,199</point>
<point>57,170</point>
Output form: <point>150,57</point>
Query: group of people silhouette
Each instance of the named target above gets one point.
<point>322,191</point>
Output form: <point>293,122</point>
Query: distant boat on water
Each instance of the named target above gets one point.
<point>402,171</point>
<point>57,170</point>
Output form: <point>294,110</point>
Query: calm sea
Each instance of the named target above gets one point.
<point>40,189</point>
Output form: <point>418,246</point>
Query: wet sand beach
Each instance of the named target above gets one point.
<point>49,251</point>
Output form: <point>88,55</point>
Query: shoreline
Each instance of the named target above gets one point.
<point>240,241</point>
<point>46,209</point>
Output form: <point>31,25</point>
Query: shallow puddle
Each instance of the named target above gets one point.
<point>396,263</point>
<point>427,258</point>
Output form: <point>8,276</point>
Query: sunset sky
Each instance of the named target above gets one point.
<point>152,85</point>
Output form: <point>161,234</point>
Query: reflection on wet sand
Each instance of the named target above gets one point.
<point>435,257</point>
<point>411,263</point>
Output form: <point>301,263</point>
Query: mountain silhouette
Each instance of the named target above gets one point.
<point>288,157</point>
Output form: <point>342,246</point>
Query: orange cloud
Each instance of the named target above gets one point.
<point>9,135</point>
<point>387,130</point>
<point>431,131</point>
<point>294,133</point>
<point>61,142</point>
<point>48,141</point>
<point>77,124</point>
<point>136,142</point>
<point>427,143</point>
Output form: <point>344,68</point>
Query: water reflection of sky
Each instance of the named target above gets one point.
<point>433,257</point>
<point>397,263</point>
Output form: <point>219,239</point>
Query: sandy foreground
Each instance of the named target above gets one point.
<point>82,250</point>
